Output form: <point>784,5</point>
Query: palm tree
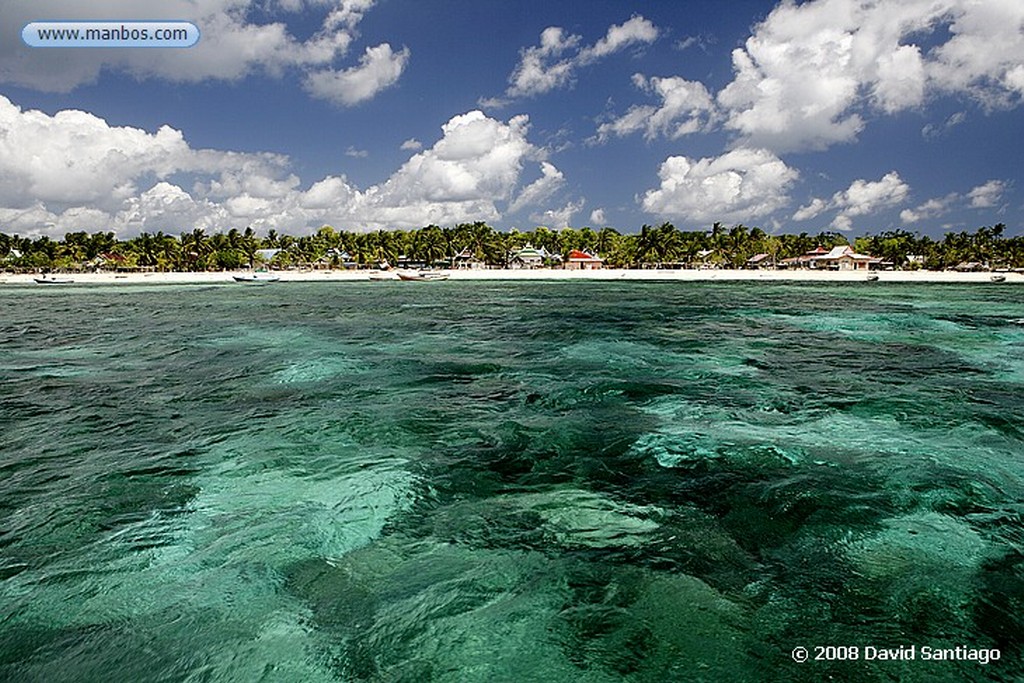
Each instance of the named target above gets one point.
<point>194,248</point>
<point>667,243</point>
<point>737,242</point>
<point>646,246</point>
<point>430,244</point>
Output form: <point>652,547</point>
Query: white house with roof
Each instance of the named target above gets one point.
<point>843,258</point>
<point>467,260</point>
<point>528,257</point>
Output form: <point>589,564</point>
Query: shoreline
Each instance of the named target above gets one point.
<point>540,274</point>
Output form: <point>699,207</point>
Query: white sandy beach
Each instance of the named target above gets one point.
<point>609,274</point>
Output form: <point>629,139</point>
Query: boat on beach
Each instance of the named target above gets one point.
<point>423,275</point>
<point>256,278</point>
<point>382,275</point>
<point>53,280</point>
<point>998,278</point>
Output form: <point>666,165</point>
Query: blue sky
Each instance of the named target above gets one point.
<point>843,115</point>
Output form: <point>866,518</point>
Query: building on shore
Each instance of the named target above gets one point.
<point>582,260</point>
<point>529,257</point>
<point>760,261</point>
<point>467,260</point>
<point>842,257</point>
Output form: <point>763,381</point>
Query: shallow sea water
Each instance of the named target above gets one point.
<point>509,481</point>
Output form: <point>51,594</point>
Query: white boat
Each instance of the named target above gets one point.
<point>998,278</point>
<point>381,275</point>
<point>256,278</point>
<point>53,280</point>
<point>873,277</point>
<point>423,275</point>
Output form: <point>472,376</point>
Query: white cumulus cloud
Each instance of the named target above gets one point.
<point>379,68</point>
<point>553,63</point>
<point>686,107</point>
<point>558,218</point>
<point>932,208</point>
<point>988,195</point>
<point>861,198</point>
<point>76,157</point>
<point>74,171</point>
<point>539,190</point>
<point>740,185</point>
<point>809,71</point>
<point>620,36</point>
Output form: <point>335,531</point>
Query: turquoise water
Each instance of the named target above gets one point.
<point>509,481</point>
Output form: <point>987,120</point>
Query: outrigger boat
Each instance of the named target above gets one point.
<point>53,280</point>
<point>256,278</point>
<point>423,275</point>
<point>382,275</point>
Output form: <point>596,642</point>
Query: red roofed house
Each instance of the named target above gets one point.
<point>581,260</point>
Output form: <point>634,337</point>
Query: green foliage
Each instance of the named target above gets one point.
<point>663,246</point>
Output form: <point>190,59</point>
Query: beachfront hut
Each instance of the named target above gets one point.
<point>405,262</point>
<point>528,257</point>
<point>843,258</point>
<point>705,259</point>
<point>265,255</point>
<point>837,258</point>
<point>582,260</point>
<point>805,260</point>
<point>108,261</point>
<point>758,261</point>
<point>467,260</point>
<point>335,258</point>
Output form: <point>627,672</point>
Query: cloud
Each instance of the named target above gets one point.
<point>861,198</point>
<point>933,131</point>
<point>988,195</point>
<point>233,45</point>
<point>379,68</point>
<point>809,72</point>
<point>620,36</point>
<point>74,171</point>
<point>539,190</point>
<point>740,185</point>
<point>356,153</point>
<point>932,208</point>
<point>985,196</point>
<point>412,144</point>
<point>558,218</point>
<point>597,217</point>
<point>534,75</point>
<point>476,163</point>
<point>809,211</point>
<point>553,63</point>
<point>75,157</point>
<point>686,107</point>
<point>702,42</point>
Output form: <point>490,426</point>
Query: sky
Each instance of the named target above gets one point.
<point>857,116</point>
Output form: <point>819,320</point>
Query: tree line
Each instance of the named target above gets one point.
<point>664,245</point>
